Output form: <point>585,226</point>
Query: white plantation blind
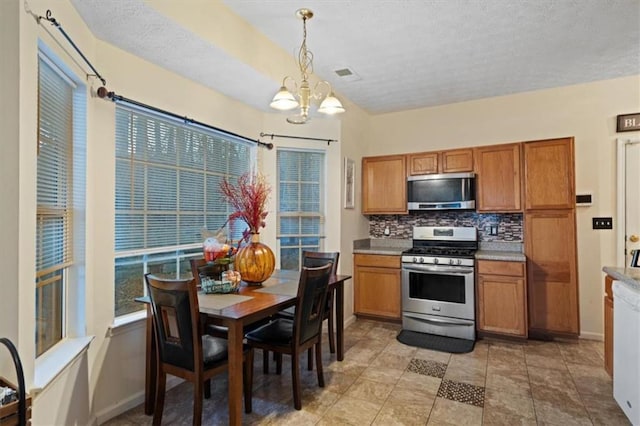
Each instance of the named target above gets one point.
<point>54,180</point>
<point>167,180</point>
<point>301,193</point>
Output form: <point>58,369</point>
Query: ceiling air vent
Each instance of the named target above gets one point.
<point>346,74</point>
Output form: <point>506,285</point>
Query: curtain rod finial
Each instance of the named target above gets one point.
<point>104,93</point>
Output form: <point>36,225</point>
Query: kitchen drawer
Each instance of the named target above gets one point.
<point>377,260</point>
<point>496,267</point>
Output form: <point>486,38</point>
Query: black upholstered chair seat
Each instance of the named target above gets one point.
<point>214,349</point>
<point>277,332</point>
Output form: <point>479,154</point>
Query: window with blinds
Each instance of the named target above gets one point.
<point>54,216</point>
<point>167,179</point>
<point>300,204</point>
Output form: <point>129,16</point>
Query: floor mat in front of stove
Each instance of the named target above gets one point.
<point>436,343</point>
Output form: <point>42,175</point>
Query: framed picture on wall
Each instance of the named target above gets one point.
<point>349,183</point>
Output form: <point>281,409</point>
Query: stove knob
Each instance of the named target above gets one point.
<point>435,261</point>
<point>459,262</point>
<point>415,260</point>
<point>452,262</point>
<point>422,260</point>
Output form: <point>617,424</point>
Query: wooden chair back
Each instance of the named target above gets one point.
<point>314,259</point>
<point>312,299</point>
<point>176,318</point>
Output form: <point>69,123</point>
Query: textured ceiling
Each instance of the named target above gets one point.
<point>407,54</point>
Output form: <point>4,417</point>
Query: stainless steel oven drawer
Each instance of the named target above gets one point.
<point>441,326</point>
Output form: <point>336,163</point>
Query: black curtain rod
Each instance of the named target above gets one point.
<point>271,135</point>
<point>59,27</point>
<point>104,93</point>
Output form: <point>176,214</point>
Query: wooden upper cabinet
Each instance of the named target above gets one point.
<point>452,161</point>
<point>457,160</point>
<point>549,174</point>
<point>498,178</point>
<point>384,185</point>
<point>424,163</point>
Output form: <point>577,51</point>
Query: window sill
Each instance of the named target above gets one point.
<point>57,359</point>
<point>126,323</point>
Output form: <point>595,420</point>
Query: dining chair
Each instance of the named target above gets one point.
<point>201,268</point>
<point>183,350</point>
<point>315,259</point>
<point>293,337</point>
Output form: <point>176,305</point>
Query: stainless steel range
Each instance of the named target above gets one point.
<point>438,282</point>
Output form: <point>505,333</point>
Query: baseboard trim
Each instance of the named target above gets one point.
<point>349,321</point>
<point>586,335</point>
<point>128,403</point>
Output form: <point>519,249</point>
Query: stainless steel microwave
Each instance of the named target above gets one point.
<point>445,191</point>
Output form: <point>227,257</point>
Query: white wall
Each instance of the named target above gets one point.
<point>586,111</point>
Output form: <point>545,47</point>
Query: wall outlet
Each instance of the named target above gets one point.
<point>386,231</point>
<point>491,229</point>
<point>602,223</point>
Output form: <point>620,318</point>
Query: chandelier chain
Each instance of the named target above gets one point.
<point>305,56</point>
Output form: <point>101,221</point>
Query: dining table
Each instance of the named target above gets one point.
<point>251,303</point>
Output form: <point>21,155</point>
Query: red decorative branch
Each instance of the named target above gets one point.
<point>249,200</point>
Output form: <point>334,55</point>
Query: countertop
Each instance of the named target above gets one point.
<point>505,251</point>
<point>630,276</point>
<point>386,246</point>
<point>507,256</point>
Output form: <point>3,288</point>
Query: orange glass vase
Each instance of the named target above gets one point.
<point>255,261</point>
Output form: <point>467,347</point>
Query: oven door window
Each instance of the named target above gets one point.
<point>437,287</point>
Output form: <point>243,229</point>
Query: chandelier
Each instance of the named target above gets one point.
<point>302,95</point>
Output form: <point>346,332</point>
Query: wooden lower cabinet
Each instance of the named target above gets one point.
<point>377,285</point>
<point>608,326</point>
<point>552,275</point>
<point>501,298</point>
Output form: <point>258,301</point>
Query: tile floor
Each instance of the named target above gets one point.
<point>384,382</point>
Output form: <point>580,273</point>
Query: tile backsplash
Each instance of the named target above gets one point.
<point>401,226</point>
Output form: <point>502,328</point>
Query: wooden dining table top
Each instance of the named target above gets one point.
<point>256,298</point>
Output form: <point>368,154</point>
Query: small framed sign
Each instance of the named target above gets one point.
<point>628,122</point>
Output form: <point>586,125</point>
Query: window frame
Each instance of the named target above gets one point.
<point>72,315</point>
<point>321,236</point>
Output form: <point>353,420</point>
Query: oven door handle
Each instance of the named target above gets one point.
<point>446,270</point>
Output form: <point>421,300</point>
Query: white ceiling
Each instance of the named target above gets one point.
<point>407,53</point>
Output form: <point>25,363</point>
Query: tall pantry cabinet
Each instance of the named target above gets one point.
<point>550,237</point>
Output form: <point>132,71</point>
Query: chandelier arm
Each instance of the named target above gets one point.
<point>293,90</point>
<point>317,94</point>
